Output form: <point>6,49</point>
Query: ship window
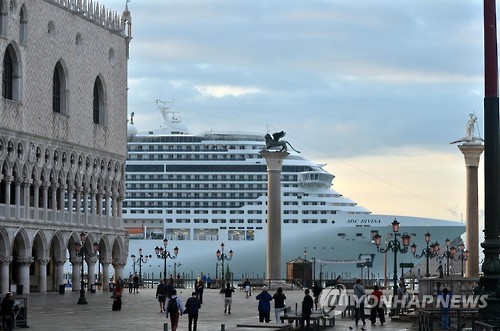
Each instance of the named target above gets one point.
<point>359,234</point>
<point>206,234</point>
<point>341,235</point>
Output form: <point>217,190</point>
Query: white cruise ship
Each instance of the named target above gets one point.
<point>199,191</point>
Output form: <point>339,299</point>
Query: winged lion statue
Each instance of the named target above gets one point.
<point>275,141</point>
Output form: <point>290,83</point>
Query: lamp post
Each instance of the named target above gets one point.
<point>464,255</point>
<point>304,268</point>
<point>395,246</point>
<point>449,254</point>
<point>81,251</point>
<point>429,252</point>
<point>140,260</point>
<point>221,256</point>
<point>162,253</point>
<point>368,260</point>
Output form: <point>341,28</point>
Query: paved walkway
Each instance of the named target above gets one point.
<point>141,311</point>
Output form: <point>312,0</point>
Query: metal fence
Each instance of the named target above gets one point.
<point>452,319</point>
<point>481,326</point>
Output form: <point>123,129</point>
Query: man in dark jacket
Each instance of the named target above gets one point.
<point>161,294</point>
<point>307,306</point>
<point>264,305</point>
<point>316,293</point>
<point>192,307</point>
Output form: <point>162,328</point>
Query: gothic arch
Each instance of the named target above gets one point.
<point>59,88</point>
<point>23,242</point>
<point>99,101</point>
<point>12,73</point>
<point>5,245</point>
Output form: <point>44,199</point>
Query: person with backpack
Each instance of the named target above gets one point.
<point>174,309</point>
<point>228,300</point>
<point>193,305</point>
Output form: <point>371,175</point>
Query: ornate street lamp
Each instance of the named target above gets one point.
<point>140,260</point>
<point>463,256</point>
<point>162,253</point>
<point>395,246</point>
<point>81,251</point>
<point>221,256</point>
<point>304,268</point>
<point>428,252</point>
<point>449,254</point>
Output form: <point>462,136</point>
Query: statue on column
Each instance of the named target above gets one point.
<point>470,131</point>
<point>276,141</point>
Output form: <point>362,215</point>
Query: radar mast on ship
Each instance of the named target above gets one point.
<point>171,119</point>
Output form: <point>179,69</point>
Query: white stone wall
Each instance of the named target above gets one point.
<point>83,63</point>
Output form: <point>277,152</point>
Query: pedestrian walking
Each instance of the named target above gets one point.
<point>136,283</point>
<point>264,308</point>
<point>174,310</point>
<point>193,305</point>
<point>248,288</point>
<point>316,292</point>
<point>360,295</point>
<point>377,306</point>
<point>307,307</point>
<point>279,303</point>
<point>444,304</point>
<point>199,290</point>
<point>209,281</point>
<point>130,283</point>
<point>117,300</point>
<point>161,294</point>
<point>228,293</point>
<point>7,311</point>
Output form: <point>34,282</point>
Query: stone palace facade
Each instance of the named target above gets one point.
<point>63,122</point>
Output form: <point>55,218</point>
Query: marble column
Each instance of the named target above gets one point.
<point>59,272</point>
<point>472,153</point>
<point>4,273</point>
<point>274,162</point>
<point>105,275</point>
<point>24,272</point>
<point>91,261</point>
<point>119,265</point>
<point>42,279</point>
<point>76,267</point>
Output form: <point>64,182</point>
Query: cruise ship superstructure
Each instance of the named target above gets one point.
<point>199,191</point>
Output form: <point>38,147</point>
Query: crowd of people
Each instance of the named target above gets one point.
<point>171,304</point>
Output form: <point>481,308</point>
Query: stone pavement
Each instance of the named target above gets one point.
<point>141,311</point>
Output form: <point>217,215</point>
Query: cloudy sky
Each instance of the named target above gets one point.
<point>375,89</point>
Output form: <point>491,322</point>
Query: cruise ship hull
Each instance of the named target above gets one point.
<point>336,250</point>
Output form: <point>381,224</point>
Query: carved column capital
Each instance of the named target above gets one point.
<point>25,260</point>
<point>43,260</point>
<point>5,259</point>
<point>60,261</point>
